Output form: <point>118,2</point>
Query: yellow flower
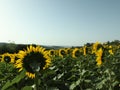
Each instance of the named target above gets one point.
<point>99,52</point>
<point>84,50</point>
<point>62,52</point>
<point>68,50</point>
<point>94,47</point>
<point>99,63</point>
<point>110,50</point>
<point>99,56</point>
<point>33,59</point>
<point>76,53</point>
<point>6,57</point>
<point>52,52</point>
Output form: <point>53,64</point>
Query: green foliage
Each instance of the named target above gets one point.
<point>7,72</point>
<point>14,81</point>
<point>27,88</point>
<point>67,73</point>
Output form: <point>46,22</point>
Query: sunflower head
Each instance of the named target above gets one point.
<point>84,50</point>
<point>33,60</point>
<point>6,57</point>
<point>15,56</point>
<point>68,50</point>
<point>110,50</point>
<point>94,47</point>
<point>99,56</point>
<point>62,52</point>
<point>52,52</point>
<point>76,53</point>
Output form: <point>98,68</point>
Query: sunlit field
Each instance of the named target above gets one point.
<point>93,66</point>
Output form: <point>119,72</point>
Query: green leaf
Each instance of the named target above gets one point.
<point>89,89</point>
<point>12,88</point>
<point>27,88</point>
<point>78,82</point>
<point>74,84</point>
<point>15,80</point>
<point>87,81</point>
<point>115,83</point>
<point>83,72</point>
<point>52,88</point>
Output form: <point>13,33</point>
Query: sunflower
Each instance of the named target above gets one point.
<point>110,50</point>
<point>6,57</point>
<point>62,52</point>
<point>99,56</point>
<point>32,60</point>
<point>76,53</point>
<point>52,52</point>
<point>68,50</point>
<point>94,47</point>
<point>84,50</point>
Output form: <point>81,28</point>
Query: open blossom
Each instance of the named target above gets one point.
<point>110,50</point>
<point>94,47</point>
<point>33,59</point>
<point>99,56</point>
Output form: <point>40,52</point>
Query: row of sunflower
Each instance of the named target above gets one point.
<point>62,69</point>
<point>97,48</point>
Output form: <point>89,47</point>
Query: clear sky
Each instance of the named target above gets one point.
<point>59,22</point>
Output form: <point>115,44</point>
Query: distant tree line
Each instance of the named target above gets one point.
<point>14,48</point>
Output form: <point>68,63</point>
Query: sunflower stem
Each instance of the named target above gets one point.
<point>36,81</point>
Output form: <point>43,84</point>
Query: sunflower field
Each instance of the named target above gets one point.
<point>93,66</point>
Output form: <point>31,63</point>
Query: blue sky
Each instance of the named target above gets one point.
<point>59,22</point>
